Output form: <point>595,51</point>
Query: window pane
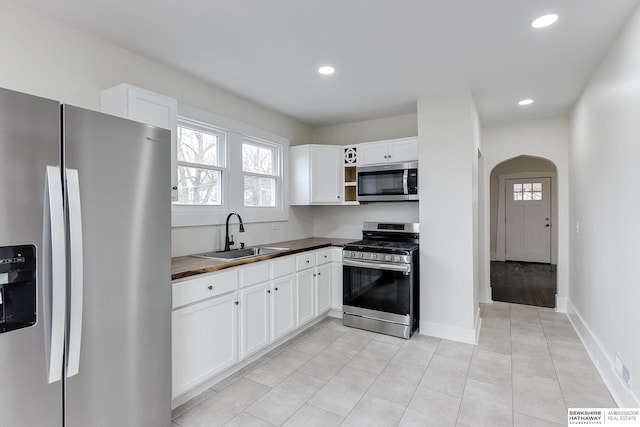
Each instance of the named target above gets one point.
<point>537,195</point>
<point>526,195</point>
<point>199,186</point>
<point>257,159</point>
<point>526,187</point>
<point>517,191</point>
<point>197,147</point>
<point>537,186</point>
<point>259,191</point>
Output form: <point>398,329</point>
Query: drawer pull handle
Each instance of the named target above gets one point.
<point>210,287</point>
<point>276,289</point>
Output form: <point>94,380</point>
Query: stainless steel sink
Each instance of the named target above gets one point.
<point>240,253</point>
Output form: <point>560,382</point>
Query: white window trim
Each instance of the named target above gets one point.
<point>278,173</point>
<point>184,215</point>
<point>233,194</point>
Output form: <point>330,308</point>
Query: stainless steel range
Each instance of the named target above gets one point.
<point>381,279</point>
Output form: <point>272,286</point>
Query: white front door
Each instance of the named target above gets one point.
<point>528,220</point>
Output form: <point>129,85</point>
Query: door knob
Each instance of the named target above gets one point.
<point>548,225</point>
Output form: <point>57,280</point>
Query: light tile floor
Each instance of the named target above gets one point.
<point>527,369</point>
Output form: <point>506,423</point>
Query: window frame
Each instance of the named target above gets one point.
<point>277,170</point>
<point>221,155</point>
<point>233,185</point>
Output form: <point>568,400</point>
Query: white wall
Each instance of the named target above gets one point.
<point>548,139</point>
<point>368,130</point>
<point>47,58</point>
<point>448,140</point>
<point>605,174</point>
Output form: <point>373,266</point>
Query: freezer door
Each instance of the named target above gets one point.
<point>29,141</point>
<point>123,175</point>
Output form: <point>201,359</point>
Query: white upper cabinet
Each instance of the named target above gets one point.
<point>316,174</point>
<point>389,151</point>
<point>147,107</point>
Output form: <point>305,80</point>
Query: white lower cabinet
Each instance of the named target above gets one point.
<point>204,341</point>
<point>283,306</point>
<point>254,318</point>
<point>224,317</point>
<point>305,290</point>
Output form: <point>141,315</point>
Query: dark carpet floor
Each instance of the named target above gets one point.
<point>524,283</point>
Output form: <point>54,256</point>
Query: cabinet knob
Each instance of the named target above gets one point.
<point>237,302</point>
<point>307,261</point>
<point>268,291</point>
<point>175,187</point>
<point>318,274</point>
<point>314,274</point>
<point>276,289</point>
<point>210,287</point>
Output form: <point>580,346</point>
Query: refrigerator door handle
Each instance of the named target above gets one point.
<point>75,270</point>
<point>54,274</point>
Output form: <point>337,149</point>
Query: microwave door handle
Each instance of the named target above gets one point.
<point>405,181</point>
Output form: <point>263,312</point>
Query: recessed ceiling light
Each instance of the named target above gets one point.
<point>544,21</point>
<point>326,70</point>
<point>525,102</point>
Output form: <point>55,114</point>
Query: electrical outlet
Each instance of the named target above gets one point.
<point>622,371</point>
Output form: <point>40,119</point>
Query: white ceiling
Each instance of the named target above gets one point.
<point>387,53</point>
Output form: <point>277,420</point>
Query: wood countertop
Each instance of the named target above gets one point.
<point>186,266</point>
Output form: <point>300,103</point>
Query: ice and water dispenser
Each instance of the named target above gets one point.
<point>17,287</point>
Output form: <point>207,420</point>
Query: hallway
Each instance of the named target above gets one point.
<point>524,283</point>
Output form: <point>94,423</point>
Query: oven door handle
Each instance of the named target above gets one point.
<point>404,268</point>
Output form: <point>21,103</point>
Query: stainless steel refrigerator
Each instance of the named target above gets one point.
<point>85,297</point>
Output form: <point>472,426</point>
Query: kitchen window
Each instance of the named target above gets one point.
<point>201,164</point>
<point>224,166</point>
<point>261,173</point>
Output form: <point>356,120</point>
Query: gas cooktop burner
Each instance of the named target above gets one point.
<point>382,244</point>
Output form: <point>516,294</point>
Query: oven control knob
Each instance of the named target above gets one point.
<point>374,256</point>
<point>396,258</point>
<point>387,257</point>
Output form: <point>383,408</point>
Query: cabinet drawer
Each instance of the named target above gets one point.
<point>256,273</point>
<point>323,256</point>
<point>305,260</point>
<point>282,267</point>
<point>204,286</point>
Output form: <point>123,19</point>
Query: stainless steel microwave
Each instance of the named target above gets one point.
<point>392,182</point>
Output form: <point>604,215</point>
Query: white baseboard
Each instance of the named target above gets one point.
<point>450,332</point>
<point>601,358</point>
<point>561,304</point>
<point>337,313</point>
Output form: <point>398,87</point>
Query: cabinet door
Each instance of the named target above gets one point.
<point>323,289</point>
<point>403,150</point>
<point>254,318</point>
<point>204,341</point>
<point>371,153</point>
<point>305,292</point>
<point>283,308</point>
<point>326,174</point>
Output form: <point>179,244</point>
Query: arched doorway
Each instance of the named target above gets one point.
<point>523,233</point>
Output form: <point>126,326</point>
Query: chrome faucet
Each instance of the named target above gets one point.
<point>228,242</point>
